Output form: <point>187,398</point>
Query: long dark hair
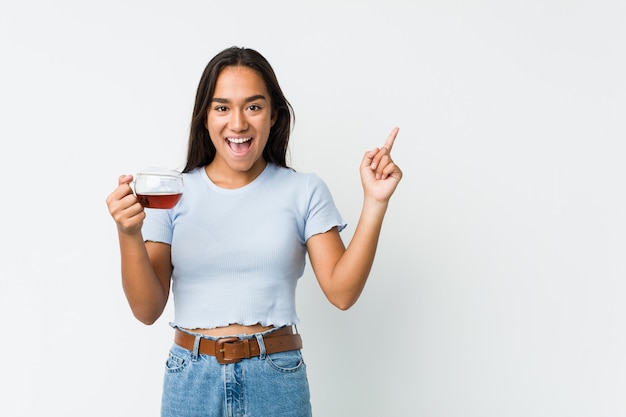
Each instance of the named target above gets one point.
<point>201,150</point>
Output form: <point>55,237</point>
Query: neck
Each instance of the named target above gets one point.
<point>225,177</point>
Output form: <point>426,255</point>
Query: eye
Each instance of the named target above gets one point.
<point>220,108</point>
<point>254,107</point>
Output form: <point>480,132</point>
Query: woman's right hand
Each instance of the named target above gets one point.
<point>124,207</point>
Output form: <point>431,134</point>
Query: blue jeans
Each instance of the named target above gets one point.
<point>272,385</point>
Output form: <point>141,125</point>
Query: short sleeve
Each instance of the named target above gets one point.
<point>322,214</point>
<point>157,226</point>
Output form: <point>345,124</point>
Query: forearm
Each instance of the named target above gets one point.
<point>353,267</point>
<point>144,291</point>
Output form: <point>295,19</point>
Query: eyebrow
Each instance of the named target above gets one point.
<point>247,100</point>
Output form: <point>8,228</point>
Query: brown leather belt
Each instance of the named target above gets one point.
<point>233,349</point>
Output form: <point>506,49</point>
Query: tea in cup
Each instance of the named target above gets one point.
<point>158,188</point>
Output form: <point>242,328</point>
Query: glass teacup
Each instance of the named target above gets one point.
<point>158,188</point>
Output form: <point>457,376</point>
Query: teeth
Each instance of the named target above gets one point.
<point>238,140</point>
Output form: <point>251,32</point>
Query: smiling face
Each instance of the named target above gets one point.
<point>239,120</point>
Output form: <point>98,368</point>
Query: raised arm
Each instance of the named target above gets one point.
<point>146,267</point>
<point>342,272</point>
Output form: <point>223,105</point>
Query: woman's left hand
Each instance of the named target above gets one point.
<point>379,174</point>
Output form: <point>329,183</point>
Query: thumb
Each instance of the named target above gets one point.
<point>125,179</point>
<point>368,157</point>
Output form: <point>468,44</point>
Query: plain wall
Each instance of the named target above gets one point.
<point>498,285</point>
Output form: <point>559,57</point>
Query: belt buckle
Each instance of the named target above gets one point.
<point>219,350</point>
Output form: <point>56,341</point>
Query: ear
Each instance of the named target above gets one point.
<point>274,117</point>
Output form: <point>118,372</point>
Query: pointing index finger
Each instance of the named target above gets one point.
<point>391,138</point>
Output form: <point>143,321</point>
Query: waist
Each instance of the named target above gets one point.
<point>232,330</point>
<point>231,349</point>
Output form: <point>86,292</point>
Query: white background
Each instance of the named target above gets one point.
<point>499,282</point>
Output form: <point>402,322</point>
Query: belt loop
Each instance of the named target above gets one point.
<point>262,352</point>
<point>196,348</point>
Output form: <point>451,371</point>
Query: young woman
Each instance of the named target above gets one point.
<point>234,247</point>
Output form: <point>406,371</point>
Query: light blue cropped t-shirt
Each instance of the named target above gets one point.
<point>237,254</point>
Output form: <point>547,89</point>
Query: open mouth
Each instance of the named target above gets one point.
<point>239,145</point>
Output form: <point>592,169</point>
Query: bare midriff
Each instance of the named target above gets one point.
<point>232,330</point>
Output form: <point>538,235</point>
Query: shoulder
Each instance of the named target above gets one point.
<point>290,175</point>
<point>193,177</point>
<point>307,187</point>
<point>194,173</point>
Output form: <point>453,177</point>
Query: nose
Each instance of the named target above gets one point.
<point>238,120</point>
